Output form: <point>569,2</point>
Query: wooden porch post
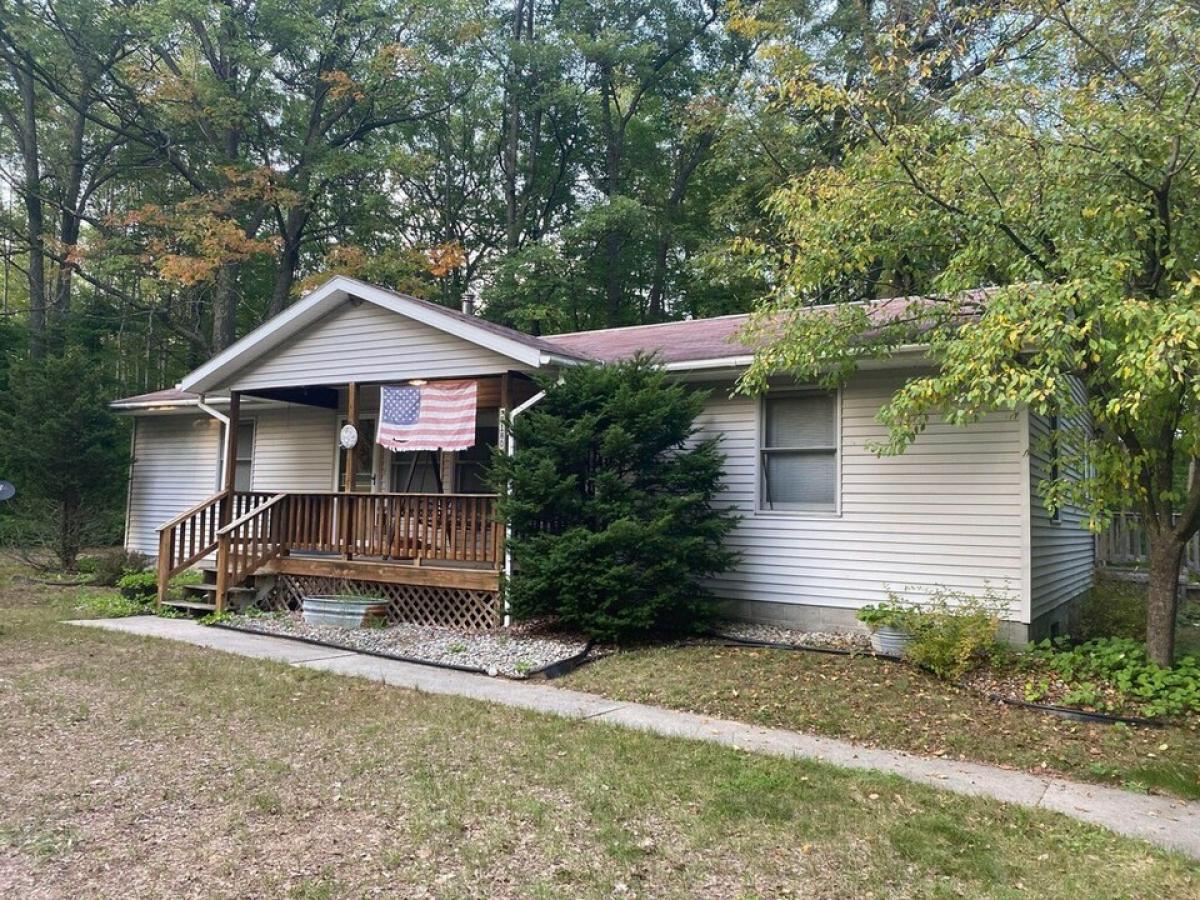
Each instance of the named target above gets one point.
<point>225,514</point>
<point>352,419</point>
<point>231,451</point>
<point>345,507</point>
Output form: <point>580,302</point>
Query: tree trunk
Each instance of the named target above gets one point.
<point>289,259</point>
<point>1162,601</point>
<point>224,309</point>
<point>31,188</point>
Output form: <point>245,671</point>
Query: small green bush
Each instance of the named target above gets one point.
<point>108,567</point>
<point>953,632</point>
<point>138,586</point>
<point>1123,664</point>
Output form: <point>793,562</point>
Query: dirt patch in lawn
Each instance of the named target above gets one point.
<point>889,704</point>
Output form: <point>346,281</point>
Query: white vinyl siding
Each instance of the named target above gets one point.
<point>1062,549</point>
<point>174,458</point>
<point>950,511</point>
<point>366,343</point>
<point>295,449</point>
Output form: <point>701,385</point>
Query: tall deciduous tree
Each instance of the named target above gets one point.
<point>65,157</point>
<point>1061,169</point>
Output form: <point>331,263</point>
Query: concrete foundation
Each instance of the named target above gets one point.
<point>808,617</point>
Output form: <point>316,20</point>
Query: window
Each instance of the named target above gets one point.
<point>243,461</point>
<point>798,450</point>
<point>364,457</point>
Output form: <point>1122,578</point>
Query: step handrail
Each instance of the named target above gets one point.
<point>193,534</point>
<point>251,513</point>
<point>241,550</point>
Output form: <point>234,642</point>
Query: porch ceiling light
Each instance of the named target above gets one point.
<point>417,382</point>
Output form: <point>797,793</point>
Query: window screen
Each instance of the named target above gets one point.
<point>799,452</point>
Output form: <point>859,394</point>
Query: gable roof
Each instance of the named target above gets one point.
<point>523,348</point>
<point>713,343</point>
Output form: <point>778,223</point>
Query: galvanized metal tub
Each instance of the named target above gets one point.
<point>344,612</point>
<point>891,641</point>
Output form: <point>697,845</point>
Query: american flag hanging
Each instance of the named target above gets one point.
<point>435,416</point>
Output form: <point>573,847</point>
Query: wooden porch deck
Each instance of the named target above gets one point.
<point>429,542</point>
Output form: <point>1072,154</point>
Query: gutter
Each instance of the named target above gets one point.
<point>734,362</point>
<point>510,445</point>
<point>153,404</point>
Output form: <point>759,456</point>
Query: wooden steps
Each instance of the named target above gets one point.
<point>202,597</point>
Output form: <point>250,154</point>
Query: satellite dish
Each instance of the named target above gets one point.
<point>7,491</point>
<point>348,437</point>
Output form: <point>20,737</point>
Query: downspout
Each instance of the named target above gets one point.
<point>129,480</point>
<point>220,417</point>
<point>215,413</point>
<point>510,445</point>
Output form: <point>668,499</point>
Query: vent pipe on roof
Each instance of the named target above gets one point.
<point>468,305</point>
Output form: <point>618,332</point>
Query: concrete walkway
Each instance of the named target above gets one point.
<point>1162,821</point>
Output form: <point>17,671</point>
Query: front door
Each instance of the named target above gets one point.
<point>364,458</point>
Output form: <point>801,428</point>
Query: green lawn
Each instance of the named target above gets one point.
<point>889,704</point>
<point>146,768</point>
<point>893,705</point>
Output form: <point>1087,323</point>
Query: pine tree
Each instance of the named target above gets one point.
<point>65,453</point>
<point>611,504</point>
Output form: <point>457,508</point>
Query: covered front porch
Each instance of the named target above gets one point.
<point>433,557</point>
<point>297,403</point>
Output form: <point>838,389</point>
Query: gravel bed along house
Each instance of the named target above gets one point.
<point>778,634</point>
<point>513,653</point>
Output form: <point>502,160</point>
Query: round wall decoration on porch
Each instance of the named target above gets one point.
<point>348,437</point>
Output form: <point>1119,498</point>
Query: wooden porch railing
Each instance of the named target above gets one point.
<point>192,535</point>
<point>417,527</point>
<point>414,528</point>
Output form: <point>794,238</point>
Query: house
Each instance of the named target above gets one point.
<point>239,468</point>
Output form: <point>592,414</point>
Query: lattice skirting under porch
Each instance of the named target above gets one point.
<point>471,610</point>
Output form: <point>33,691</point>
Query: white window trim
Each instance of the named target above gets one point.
<point>223,445</point>
<point>760,434</point>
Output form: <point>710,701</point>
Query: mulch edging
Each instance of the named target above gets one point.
<point>731,640</point>
<point>1063,712</point>
<point>556,669</point>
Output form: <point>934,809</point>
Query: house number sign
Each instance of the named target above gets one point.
<point>349,436</point>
